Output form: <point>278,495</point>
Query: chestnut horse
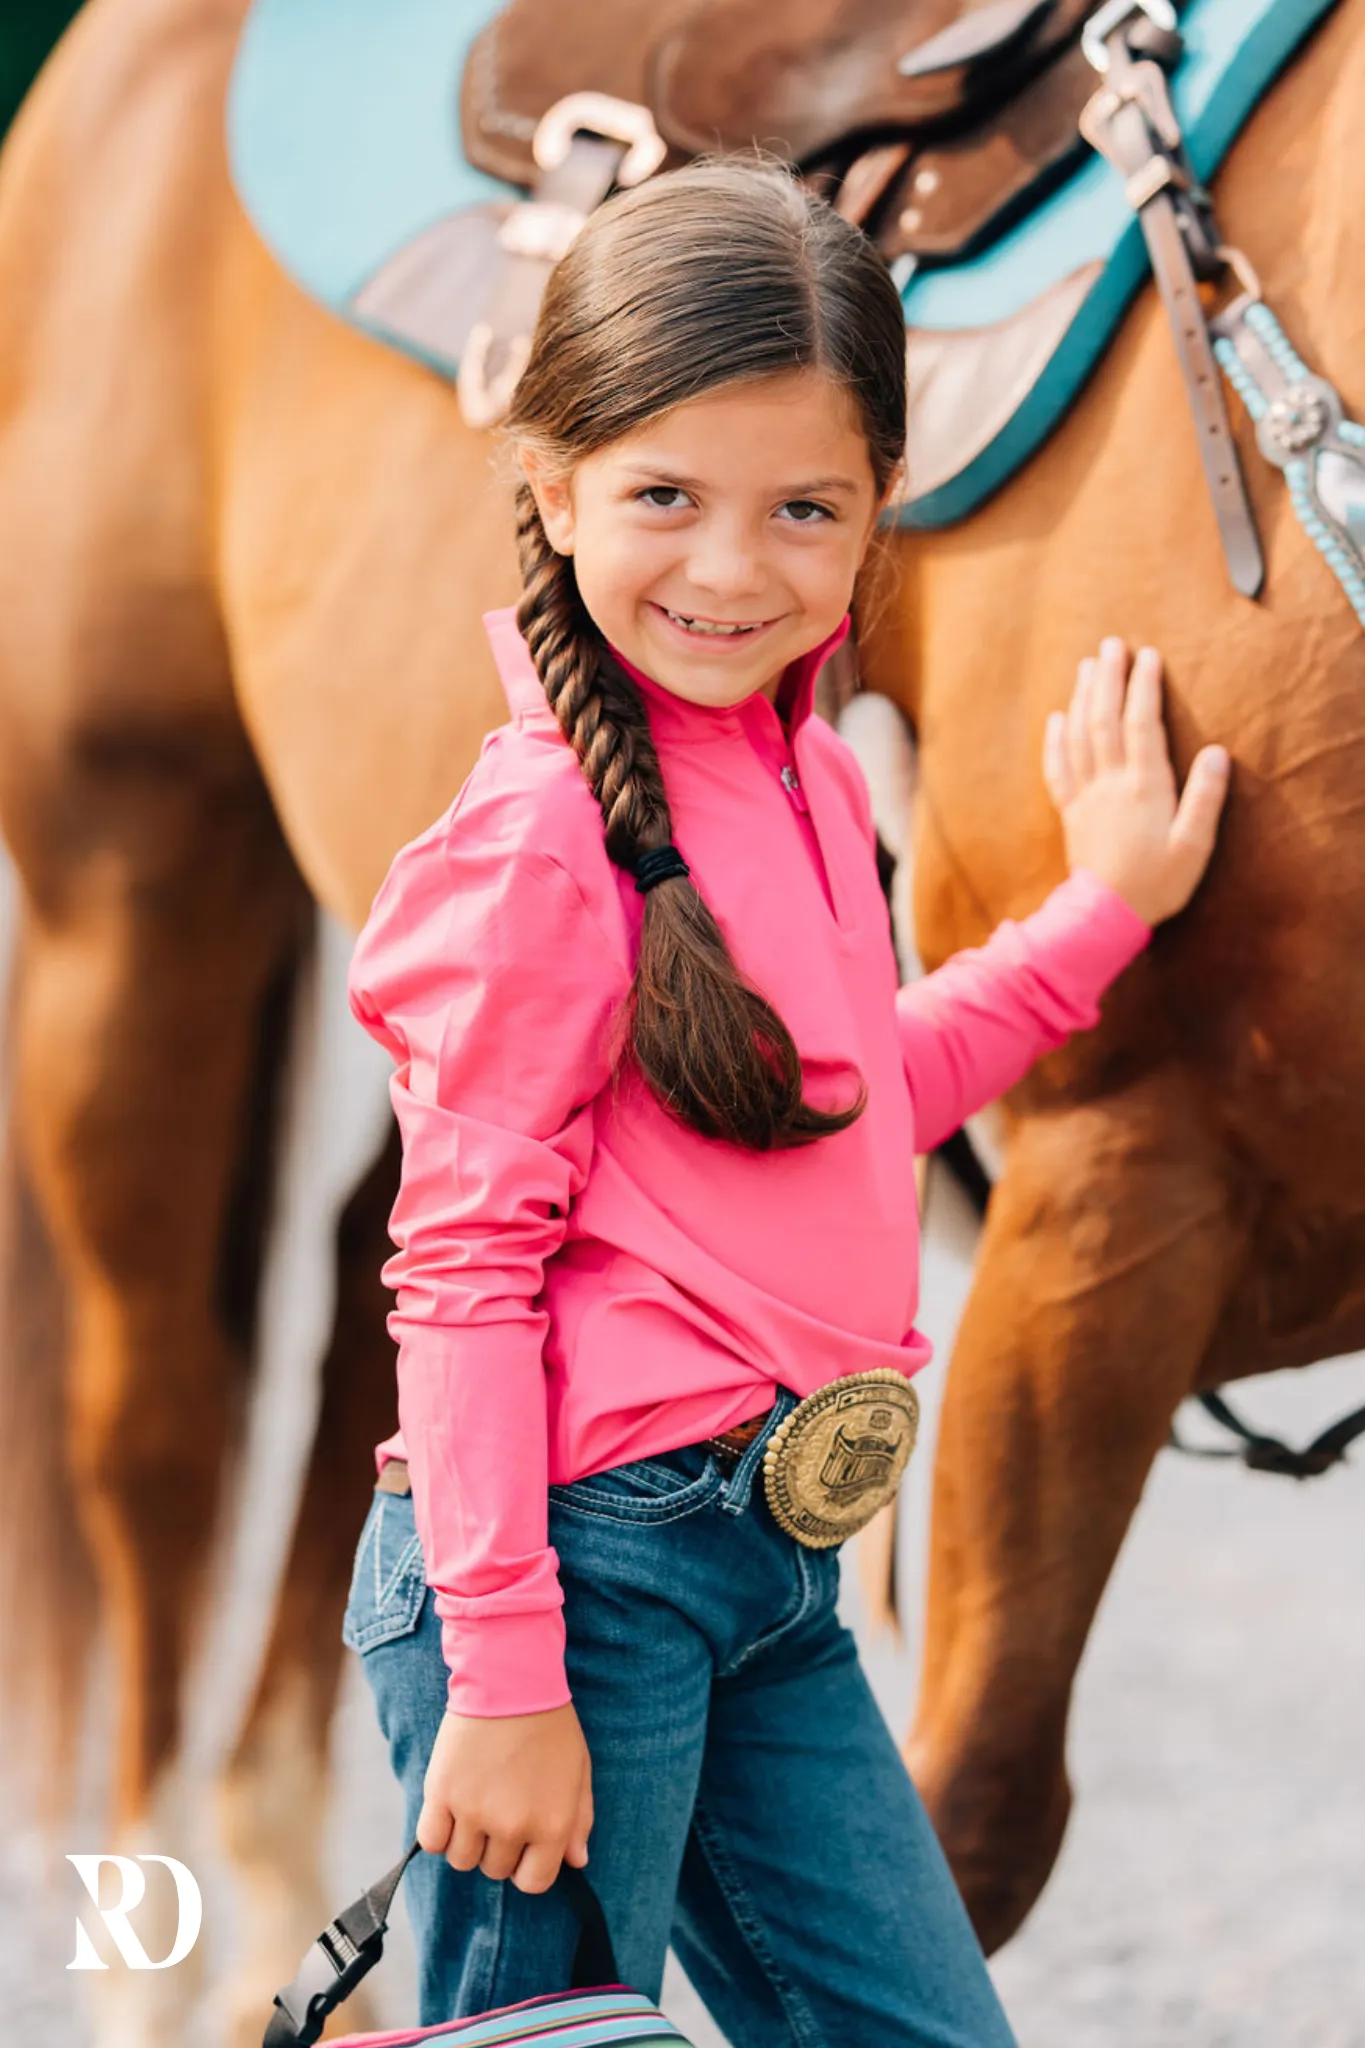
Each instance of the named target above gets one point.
<point>243,554</point>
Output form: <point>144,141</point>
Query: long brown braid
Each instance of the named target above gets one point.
<point>643,313</point>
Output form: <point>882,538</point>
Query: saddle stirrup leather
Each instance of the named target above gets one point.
<point>585,145</point>
<point>1131,122</point>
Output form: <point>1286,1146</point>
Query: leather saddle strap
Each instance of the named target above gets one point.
<point>1131,122</point>
<point>810,78</point>
<point>533,237</point>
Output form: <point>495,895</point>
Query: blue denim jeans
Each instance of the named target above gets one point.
<point>751,1807</point>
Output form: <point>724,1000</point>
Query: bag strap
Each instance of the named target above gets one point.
<point>350,1945</point>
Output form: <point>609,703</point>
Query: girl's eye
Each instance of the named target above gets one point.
<point>805,512</point>
<point>664,497</point>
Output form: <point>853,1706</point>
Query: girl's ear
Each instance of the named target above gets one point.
<point>892,494</point>
<point>553,493</point>
<point>896,486</point>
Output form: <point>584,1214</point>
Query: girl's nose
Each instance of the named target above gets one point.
<point>727,565</point>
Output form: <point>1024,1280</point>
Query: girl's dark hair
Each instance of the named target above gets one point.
<point>721,273</point>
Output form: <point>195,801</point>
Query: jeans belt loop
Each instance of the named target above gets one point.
<point>735,1491</point>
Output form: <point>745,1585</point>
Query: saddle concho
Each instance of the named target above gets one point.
<point>839,1456</point>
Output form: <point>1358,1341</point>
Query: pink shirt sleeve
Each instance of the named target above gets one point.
<point>481,970</point>
<point>976,1025</point>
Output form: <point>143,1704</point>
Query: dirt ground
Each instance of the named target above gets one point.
<point>1211,1891</point>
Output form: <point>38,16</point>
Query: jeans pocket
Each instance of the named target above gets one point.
<point>658,1489</point>
<point>388,1580</point>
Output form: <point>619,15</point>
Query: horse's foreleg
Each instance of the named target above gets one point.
<point>274,1796</point>
<point>157,920</point>
<point>1108,1249</point>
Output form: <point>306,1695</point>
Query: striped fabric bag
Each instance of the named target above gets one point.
<point>597,2013</point>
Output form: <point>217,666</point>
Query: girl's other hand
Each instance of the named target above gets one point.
<point>510,1796</point>
<point>1108,770</point>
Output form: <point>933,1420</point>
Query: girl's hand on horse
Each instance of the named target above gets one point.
<point>1108,770</point>
<point>510,1796</point>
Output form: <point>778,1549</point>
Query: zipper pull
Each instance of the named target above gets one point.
<point>793,788</point>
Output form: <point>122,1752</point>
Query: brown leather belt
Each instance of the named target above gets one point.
<point>728,1449</point>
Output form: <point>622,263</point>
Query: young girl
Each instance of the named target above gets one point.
<point>660,1102</point>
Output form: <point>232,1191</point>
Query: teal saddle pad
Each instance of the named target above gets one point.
<point>344,140</point>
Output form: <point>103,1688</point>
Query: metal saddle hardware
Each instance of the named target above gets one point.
<point>585,145</point>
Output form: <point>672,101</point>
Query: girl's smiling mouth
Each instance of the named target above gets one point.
<point>716,632</point>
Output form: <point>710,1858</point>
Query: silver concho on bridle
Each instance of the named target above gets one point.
<point>1302,428</point>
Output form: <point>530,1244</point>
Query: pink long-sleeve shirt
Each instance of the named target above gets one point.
<point>580,1279</point>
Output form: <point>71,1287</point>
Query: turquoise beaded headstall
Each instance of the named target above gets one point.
<point>1300,427</point>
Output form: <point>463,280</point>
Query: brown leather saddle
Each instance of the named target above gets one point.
<point>932,124</point>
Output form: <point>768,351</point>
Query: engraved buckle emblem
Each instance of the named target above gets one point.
<point>839,1456</point>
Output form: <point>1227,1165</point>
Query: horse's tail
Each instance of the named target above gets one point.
<point>48,1596</point>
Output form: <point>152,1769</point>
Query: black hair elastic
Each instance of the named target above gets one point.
<point>660,864</point>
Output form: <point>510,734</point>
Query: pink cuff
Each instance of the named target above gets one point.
<point>1087,933</point>
<point>505,1664</point>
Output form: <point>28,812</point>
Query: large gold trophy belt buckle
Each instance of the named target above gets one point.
<point>839,1456</point>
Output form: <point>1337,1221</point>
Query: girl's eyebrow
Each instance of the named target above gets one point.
<point>806,488</point>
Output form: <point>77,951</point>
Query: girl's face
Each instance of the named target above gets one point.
<point>721,540</point>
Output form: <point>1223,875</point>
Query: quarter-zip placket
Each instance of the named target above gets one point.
<point>791,782</point>
<point>769,739</point>
<point>758,722</point>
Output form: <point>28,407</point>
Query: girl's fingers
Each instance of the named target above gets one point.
<point>501,1855</point>
<point>1104,705</point>
<point>1056,766</point>
<point>1144,734</point>
<point>538,1868</point>
<point>434,1825</point>
<point>1078,725</point>
<point>577,1851</point>
<point>1195,826</point>
<point>467,1845</point>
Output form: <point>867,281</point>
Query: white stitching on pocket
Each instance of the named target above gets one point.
<point>584,1497</point>
<point>391,1603</point>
